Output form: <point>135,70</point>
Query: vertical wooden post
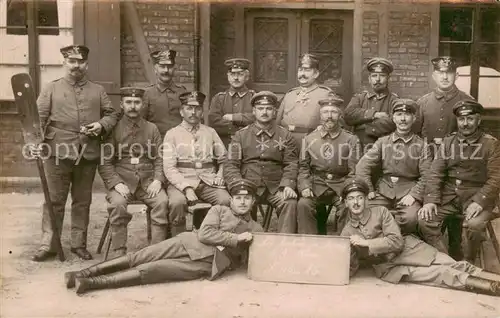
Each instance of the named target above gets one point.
<point>475,51</point>
<point>32,16</point>
<point>204,62</point>
<point>357,51</point>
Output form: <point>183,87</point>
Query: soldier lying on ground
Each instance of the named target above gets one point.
<point>376,240</point>
<point>221,242</point>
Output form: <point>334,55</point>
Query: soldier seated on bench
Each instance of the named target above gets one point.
<point>192,160</point>
<point>221,243</point>
<point>132,170</point>
<point>376,240</point>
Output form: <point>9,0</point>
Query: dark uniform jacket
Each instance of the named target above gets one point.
<point>326,162</point>
<point>435,114</point>
<point>231,102</point>
<point>361,109</point>
<point>64,106</point>
<point>405,163</point>
<point>467,168</point>
<point>267,157</point>
<point>388,251</point>
<point>162,105</point>
<point>130,139</point>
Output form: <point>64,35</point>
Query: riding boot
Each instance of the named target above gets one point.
<point>474,241</point>
<point>131,277</point>
<point>488,275</point>
<point>106,267</point>
<point>482,286</point>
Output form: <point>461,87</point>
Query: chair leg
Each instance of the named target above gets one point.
<point>148,224</point>
<point>103,236</point>
<point>494,239</point>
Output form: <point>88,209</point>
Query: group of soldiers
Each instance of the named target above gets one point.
<point>405,168</point>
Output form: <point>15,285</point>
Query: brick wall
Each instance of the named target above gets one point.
<point>370,41</point>
<point>408,41</point>
<point>165,25</point>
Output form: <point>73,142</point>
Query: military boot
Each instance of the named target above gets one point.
<point>482,286</point>
<point>126,278</point>
<point>111,266</point>
<point>488,275</point>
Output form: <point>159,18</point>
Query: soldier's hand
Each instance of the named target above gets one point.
<point>154,188</point>
<point>245,237</point>
<point>381,115</point>
<point>472,211</point>
<point>357,240</point>
<point>307,193</point>
<point>123,190</point>
<point>35,151</point>
<point>93,129</point>
<point>190,195</point>
<point>407,200</point>
<point>218,181</point>
<point>427,212</point>
<point>228,117</point>
<point>288,193</point>
<point>372,195</point>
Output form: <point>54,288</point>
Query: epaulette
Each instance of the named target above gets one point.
<point>292,89</point>
<point>180,86</point>
<point>488,136</point>
<point>347,131</point>
<point>394,94</point>
<point>151,85</point>
<point>251,91</point>
<point>451,134</point>
<point>326,87</point>
<point>221,93</point>
<point>57,80</point>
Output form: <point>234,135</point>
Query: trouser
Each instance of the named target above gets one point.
<point>308,208</point>
<point>61,175</point>
<point>119,216</point>
<point>177,203</point>
<point>431,230</point>
<point>169,261</point>
<point>444,271</point>
<point>405,216</point>
<point>285,209</point>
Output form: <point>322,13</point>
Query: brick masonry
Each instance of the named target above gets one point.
<point>369,42</point>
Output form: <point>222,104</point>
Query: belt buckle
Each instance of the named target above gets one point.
<point>329,176</point>
<point>394,179</point>
<point>134,160</point>
<point>458,182</point>
<point>198,165</point>
<point>291,127</point>
<point>438,141</point>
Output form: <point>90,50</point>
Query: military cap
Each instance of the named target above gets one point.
<point>75,52</point>
<point>354,185</point>
<point>379,65</point>
<point>194,98</point>
<point>237,64</point>
<point>467,107</point>
<point>404,105</point>
<point>444,64</point>
<point>163,57</point>
<point>242,186</point>
<point>131,92</point>
<point>309,61</point>
<point>264,98</point>
<point>332,100</point>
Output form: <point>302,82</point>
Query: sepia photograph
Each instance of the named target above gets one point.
<point>250,158</point>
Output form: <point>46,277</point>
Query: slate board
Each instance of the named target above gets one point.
<point>297,258</point>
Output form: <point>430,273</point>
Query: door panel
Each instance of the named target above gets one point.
<point>99,29</point>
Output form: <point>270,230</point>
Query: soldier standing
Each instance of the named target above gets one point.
<point>231,110</point>
<point>405,161</point>
<point>328,157</point>
<point>266,154</point>
<point>369,111</point>
<point>161,100</point>
<point>299,109</point>
<point>74,112</point>
<point>192,161</point>
<point>464,180</point>
<point>132,169</point>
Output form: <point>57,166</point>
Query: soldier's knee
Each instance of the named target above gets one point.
<point>177,202</point>
<point>475,224</point>
<point>305,206</point>
<point>223,198</point>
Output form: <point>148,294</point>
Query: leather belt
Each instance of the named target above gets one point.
<point>195,165</point>
<point>299,129</point>
<point>395,179</point>
<point>63,126</point>
<point>327,175</point>
<point>465,183</point>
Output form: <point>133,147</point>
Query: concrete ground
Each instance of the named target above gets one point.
<point>32,289</point>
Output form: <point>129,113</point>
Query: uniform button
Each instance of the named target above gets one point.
<point>440,118</point>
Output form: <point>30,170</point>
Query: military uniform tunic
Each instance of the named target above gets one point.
<point>64,106</point>
<point>231,102</point>
<point>326,161</point>
<point>405,162</point>
<point>190,255</point>
<point>360,111</point>
<point>299,110</point>
<point>162,105</point>
<point>396,258</point>
<point>269,158</point>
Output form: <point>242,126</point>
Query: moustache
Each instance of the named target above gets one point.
<point>302,77</point>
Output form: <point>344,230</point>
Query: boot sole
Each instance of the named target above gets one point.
<point>80,287</point>
<point>69,279</point>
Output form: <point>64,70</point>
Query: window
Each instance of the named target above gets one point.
<point>47,21</point>
<point>471,34</point>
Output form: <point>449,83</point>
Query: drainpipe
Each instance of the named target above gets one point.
<point>196,43</point>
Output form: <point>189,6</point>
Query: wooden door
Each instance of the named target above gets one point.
<point>97,25</point>
<point>276,38</point>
